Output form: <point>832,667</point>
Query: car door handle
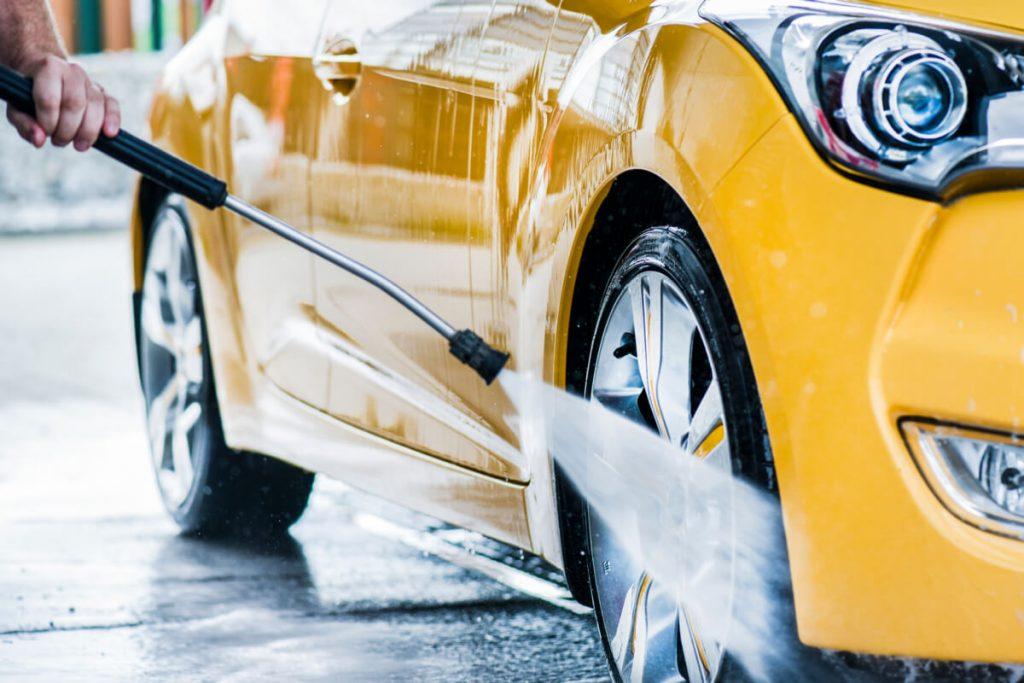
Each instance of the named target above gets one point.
<point>339,67</point>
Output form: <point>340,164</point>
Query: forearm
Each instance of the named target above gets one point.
<point>27,33</point>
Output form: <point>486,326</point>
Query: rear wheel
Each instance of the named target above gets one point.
<point>668,353</point>
<point>207,487</point>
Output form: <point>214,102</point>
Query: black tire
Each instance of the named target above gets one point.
<point>680,254</point>
<point>233,493</point>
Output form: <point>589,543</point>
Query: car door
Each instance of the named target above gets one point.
<point>390,187</point>
<point>529,50</point>
<point>526,49</point>
<point>268,77</point>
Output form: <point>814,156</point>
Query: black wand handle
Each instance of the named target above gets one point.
<point>155,164</point>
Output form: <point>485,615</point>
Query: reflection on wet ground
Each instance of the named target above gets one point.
<point>96,585</point>
<point>125,597</point>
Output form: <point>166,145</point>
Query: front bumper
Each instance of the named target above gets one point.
<point>862,307</point>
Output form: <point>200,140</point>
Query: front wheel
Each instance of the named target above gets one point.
<point>207,487</point>
<point>668,353</point>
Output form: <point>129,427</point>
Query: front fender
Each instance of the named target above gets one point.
<point>646,97</point>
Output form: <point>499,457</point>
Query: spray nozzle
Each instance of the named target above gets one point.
<point>469,348</point>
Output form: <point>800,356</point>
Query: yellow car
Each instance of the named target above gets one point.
<point>786,234</point>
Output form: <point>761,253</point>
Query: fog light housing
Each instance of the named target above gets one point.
<point>977,474</point>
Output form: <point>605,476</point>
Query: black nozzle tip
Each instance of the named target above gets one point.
<point>469,348</point>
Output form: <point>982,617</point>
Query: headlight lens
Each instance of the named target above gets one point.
<point>928,98</point>
<point>928,107</point>
<point>978,475</point>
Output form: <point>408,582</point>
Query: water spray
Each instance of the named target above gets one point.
<point>178,176</point>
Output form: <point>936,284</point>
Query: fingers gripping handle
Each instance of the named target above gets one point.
<point>155,164</point>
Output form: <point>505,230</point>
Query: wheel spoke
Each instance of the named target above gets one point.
<point>665,329</point>
<point>719,456</point>
<point>706,419</point>
<point>160,416</point>
<point>181,451</point>
<point>629,644</point>
<point>174,275</point>
<point>647,327</point>
<point>154,326</point>
<point>645,634</point>
<point>192,351</point>
<point>622,401</point>
<point>694,649</point>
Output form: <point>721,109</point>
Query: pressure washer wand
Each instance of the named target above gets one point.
<point>177,175</point>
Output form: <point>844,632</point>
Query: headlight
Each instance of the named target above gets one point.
<point>927,107</point>
<point>901,95</point>
<point>978,475</point>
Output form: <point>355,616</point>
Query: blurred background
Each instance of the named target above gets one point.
<point>91,26</point>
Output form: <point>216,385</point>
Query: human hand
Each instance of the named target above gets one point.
<point>70,107</point>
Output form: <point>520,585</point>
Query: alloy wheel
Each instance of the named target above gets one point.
<point>653,367</point>
<point>171,355</point>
